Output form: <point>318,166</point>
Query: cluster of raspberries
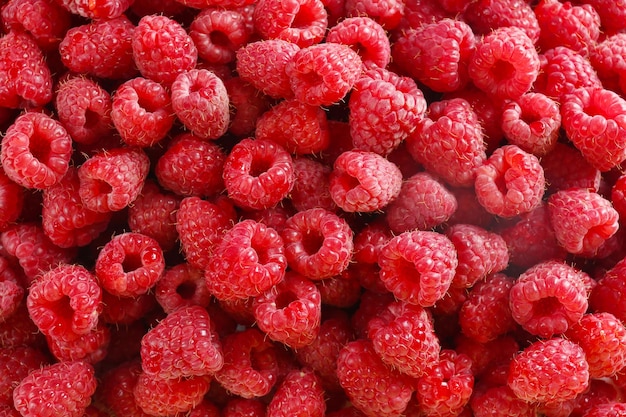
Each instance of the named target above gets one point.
<point>312,208</point>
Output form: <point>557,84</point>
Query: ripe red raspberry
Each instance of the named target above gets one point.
<point>607,58</point>
<point>299,128</point>
<point>550,370</point>
<point>612,13</point>
<point>11,290</point>
<point>90,347</point>
<point>108,9</point>
<point>164,397</point>
<point>418,13</point>
<point>181,285</point>
<point>16,363</point>
<point>323,74</point>
<point>372,387</point>
<point>244,407</point>
<point>45,20</point>
<point>565,167</point>
<point>36,150</point>
<point>582,220</point>
<point>299,392</point>
<point>162,49</point>
<point>384,109</point>
<point>387,13</point>
<point>365,36</point>
<point>548,298</point>
<point>428,256</point>
<point>505,63</point>
<point>510,182</point>
<point>302,22</point>
<point>609,409</point>
<point>116,389</point>
<point>449,124</point>
<point>609,295</point>
<point>246,104</point>
<point>311,188</point>
<point>60,389</point>
<point>18,329</point>
<point>15,193</point>
<point>258,174</point>
<point>485,16</point>
<point>102,48</point>
<point>437,54</point>
<point>500,397</point>
<point>218,34</point>
<point>127,310</point>
<point>200,101</point>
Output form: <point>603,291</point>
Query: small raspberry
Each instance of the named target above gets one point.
<point>246,104</point>
<point>418,13</point>
<point>218,34</point>
<point>15,193</point>
<point>607,58</point>
<point>16,363</point>
<point>386,13</point>
<point>490,357</point>
<point>367,37</point>
<point>11,290</point>
<point>600,392</point>
<point>323,74</point>
<point>549,371</point>
<point>90,347</point>
<point>485,16</point>
<point>311,188</point>
<point>181,285</point>
<point>302,22</point>
<point>164,397</point>
<point>428,256</point>
<point>299,392</point>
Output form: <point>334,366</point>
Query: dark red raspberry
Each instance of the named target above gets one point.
<point>549,371</point>
<point>565,167</point>
<point>102,48</point>
<point>274,217</point>
<point>302,22</point>
<point>609,409</point>
<point>90,347</point>
<point>126,310</point>
<point>449,124</point>
<point>365,36</point>
<point>246,104</point>
<point>501,398</point>
<point>258,174</point>
<point>607,58</point>
<point>612,13</point>
<point>162,397</point>
<point>299,128</point>
<point>312,186</point>
<point>428,256</point>
<point>485,16</point>
<point>16,363</point>
<point>11,290</point>
<point>510,182</point>
<point>488,358</point>
<point>342,291</point>
<point>582,220</point>
<point>36,150</point>
<point>116,389</point>
<point>473,212</point>
<point>162,49</point>
<point>323,74</point>
<point>384,109</point>
<point>180,286</point>
<point>218,34</point>
<point>548,298</point>
<point>15,193</point>
<point>105,10</point>
<point>244,407</point>
<point>142,112</point>
<point>299,392</point>
<point>112,179</point>
<point>18,330</point>
<point>200,101</point>
<point>387,13</point>
<point>418,13</point>
<point>437,54</point>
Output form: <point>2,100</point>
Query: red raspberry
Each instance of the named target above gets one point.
<point>248,261</point>
<point>437,54</point>
<point>501,398</point>
<point>142,112</point>
<point>27,81</point>
<point>200,101</point>
<point>246,105</point>
<point>311,188</point>
<point>218,34</point>
<point>164,397</point>
<point>263,65</point>
<point>109,9</point>
<point>418,13</point>
<point>491,358</point>
<point>116,389</point>
<point>550,370</point>
<point>299,392</point>
<point>60,389</point>
<point>485,16</point>
<point>302,22</point>
<point>11,290</point>
<point>367,37</point>
<point>16,363</point>
<point>90,347</point>
<point>428,256</point>
<point>565,167</point>
<point>126,310</point>
<point>372,387</point>
<point>36,150</point>
<point>18,329</point>
<point>612,13</point>
<point>609,295</point>
<point>449,124</point>
<point>290,312</point>
<point>582,220</point>
<point>244,407</point>
<point>609,409</point>
<point>274,217</point>
<point>548,298</point>
<point>162,49</point>
<point>258,174</point>
<point>323,74</point>
<point>618,196</point>
<point>250,364</point>
<point>384,109</point>
<point>112,179</point>
<point>181,285</point>
<point>510,182</point>
<point>600,392</point>
<point>299,128</point>
<point>364,181</point>
<point>473,212</point>
<point>505,64</point>
<point>387,13</point>
<point>102,48</point>
<point>607,58</point>
<point>424,203</point>
<point>15,193</point>
<point>318,243</point>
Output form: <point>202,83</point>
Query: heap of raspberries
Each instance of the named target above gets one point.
<point>312,208</point>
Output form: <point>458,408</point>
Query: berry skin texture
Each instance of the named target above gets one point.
<point>300,392</point>
<point>36,151</point>
<point>61,389</point>
<point>552,370</point>
<point>428,256</point>
<point>607,58</point>
<point>364,35</point>
<point>164,397</point>
<point>302,22</point>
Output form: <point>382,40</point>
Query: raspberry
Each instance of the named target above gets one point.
<point>505,63</point>
<point>593,120</point>
<point>246,105</point>
<point>218,34</point>
<point>90,347</point>
<point>364,35</point>
<point>607,58</point>
<point>323,74</point>
<point>600,392</point>
<point>142,112</point>
<point>16,363</point>
<point>473,212</point>
<point>258,174</point>
<point>418,13</point>
<point>611,13</point>
<point>163,397</point>
<point>109,9</point>
<point>299,392</point>
<point>302,22</point>
<point>36,150</point>
<point>181,285</point>
<point>609,409</point>
<point>609,294</point>
<point>549,371</point>
<point>200,101</point>
<point>565,167</point>
<point>290,312</point>
<point>44,20</point>
<point>372,387</point>
<point>162,49</point>
<point>510,182</point>
<point>60,389</point>
<point>112,179</point>
<point>15,193</point>
<point>384,109</point>
<point>248,261</point>
<point>582,220</point>
<point>116,389</point>
<point>485,16</point>
<point>364,181</point>
<point>11,289</point>
<point>244,407</point>
<point>449,124</point>
<point>387,13</point>
<point>437,54</point>
<point>102,48</point>
<point>299,128</point>
<point>311,188</point>
<point>418,266</point>
<point>548,298</point>
<point>126,310</point>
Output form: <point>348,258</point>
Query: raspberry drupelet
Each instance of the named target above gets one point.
<point>302,22</point>
<point>218,34</point>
